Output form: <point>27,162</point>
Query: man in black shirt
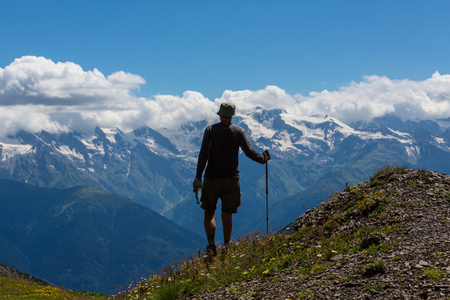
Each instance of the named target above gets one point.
<point>220,155</point>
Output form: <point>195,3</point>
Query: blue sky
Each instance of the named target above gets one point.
<point>80,64</point>
<point>213,46</point>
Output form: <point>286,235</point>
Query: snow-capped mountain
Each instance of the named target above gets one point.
<point>156,168</point>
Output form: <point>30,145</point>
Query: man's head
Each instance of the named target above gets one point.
<point>227,110</point>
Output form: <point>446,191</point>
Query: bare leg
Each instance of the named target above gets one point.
<point>227,223</point>
<point>210,222</point>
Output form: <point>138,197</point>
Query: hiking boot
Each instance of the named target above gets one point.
<point>211,250</point>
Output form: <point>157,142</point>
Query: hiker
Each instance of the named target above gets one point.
<point>220,155</point>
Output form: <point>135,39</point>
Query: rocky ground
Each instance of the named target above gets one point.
<point>416,265</point>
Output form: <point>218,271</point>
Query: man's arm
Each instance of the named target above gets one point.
<point>201,162</point>
<point>250,152</point>
<point>204,154</point>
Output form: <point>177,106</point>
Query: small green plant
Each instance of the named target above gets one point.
<point>433,274</point>
<point>372,268</point>
<point>318,268</point>
<point>93,294</point>
<point>378,287</point>
<point>331,196</point>
<point>412,183</point>
<point>372,239</point>
<point>375,183</point>
<point>401,204</point>
<point>305,294</point>
<point>249,295</point>
<point>347,187</point>
<point>275,279</point>
<point>304,271</point>
<point>372,250</point>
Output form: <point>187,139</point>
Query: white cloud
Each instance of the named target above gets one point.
<point>272,97</point>
<point>37,94</point>
<point>28,118</point>
<point>37,80</point>
<point>376,96</point>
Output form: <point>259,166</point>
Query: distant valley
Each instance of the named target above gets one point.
<point>85,238</point>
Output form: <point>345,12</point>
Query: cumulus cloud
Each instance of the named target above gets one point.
<point>38,94</point>
<point>37,80</point>
<point>272,97</point>
<point>28,118</point>
<point>376,96</point>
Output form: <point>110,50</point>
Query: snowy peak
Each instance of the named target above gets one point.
<point>12,148</point>
<point>155,141</point>
<point>291,134</point>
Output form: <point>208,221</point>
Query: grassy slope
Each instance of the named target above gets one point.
<point>311,250</point>
<point>12,288</point>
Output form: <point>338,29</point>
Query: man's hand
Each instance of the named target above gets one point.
<point>197,184</point>
<point>266,155</point>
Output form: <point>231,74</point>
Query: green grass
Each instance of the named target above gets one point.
<point>387,171</point>
<point>11,288</point>
<point>372,268</point>
<point>378,287</point>
<point>433,274</point>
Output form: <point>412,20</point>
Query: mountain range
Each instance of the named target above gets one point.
<point>312,157</point>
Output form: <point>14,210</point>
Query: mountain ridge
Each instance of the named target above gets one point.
<point>155,167</point>
<point>85,238</point>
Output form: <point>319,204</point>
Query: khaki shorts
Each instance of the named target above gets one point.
<point>227,189</point>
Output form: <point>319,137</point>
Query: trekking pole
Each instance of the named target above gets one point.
<point>267,194</point>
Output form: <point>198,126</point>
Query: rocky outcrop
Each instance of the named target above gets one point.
<point>406,255</point>
<point>6,271</point>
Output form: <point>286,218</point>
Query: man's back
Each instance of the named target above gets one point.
<point>220,148</point>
